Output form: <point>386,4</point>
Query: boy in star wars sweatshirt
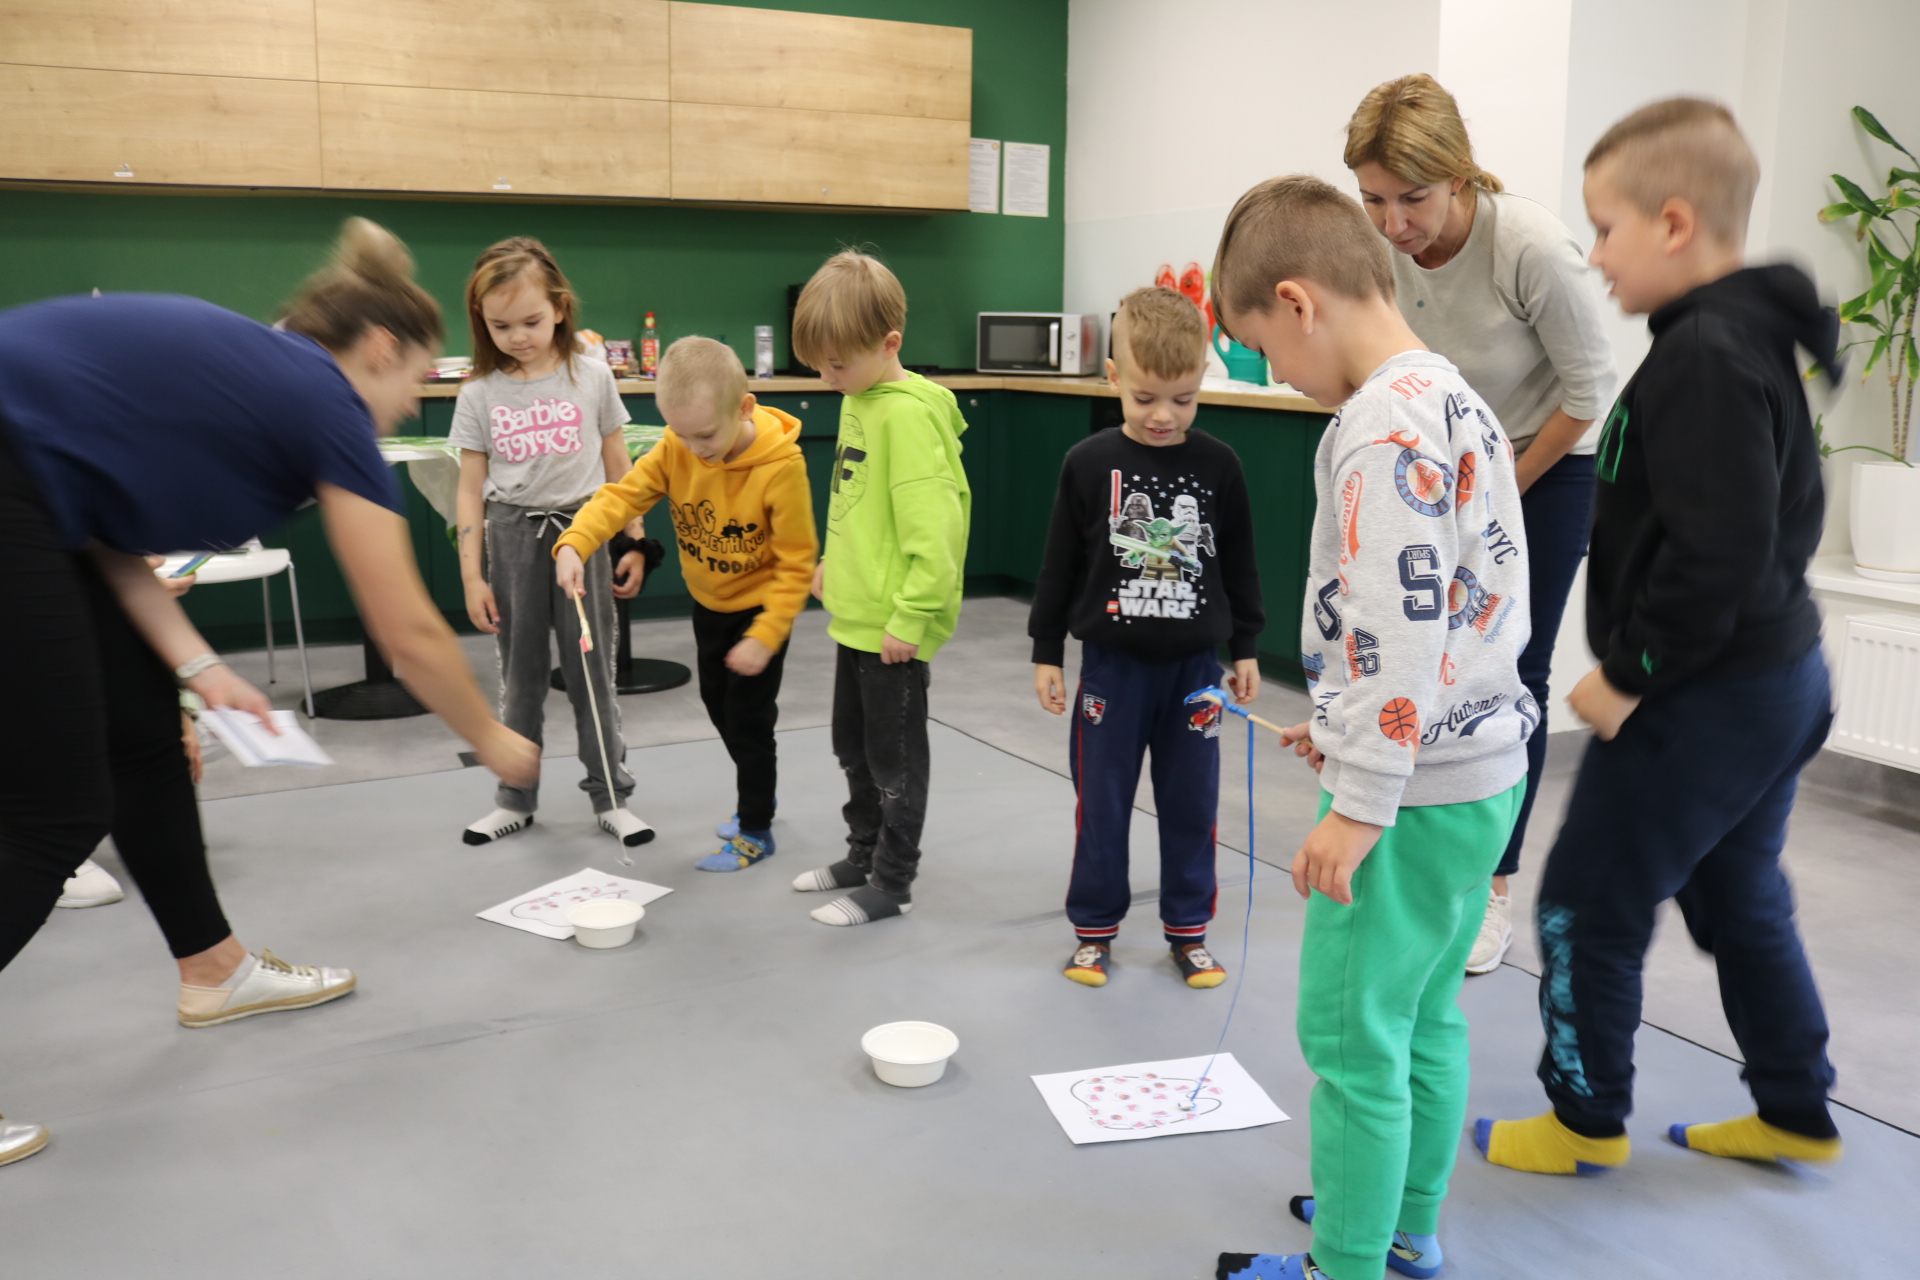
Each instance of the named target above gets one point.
<point>1150,564</point>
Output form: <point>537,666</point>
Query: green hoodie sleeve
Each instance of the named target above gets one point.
<point>930,522</point>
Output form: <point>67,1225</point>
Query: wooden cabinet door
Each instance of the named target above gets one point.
<point>272,39</point>
<point>590,48</point>
<point>383,138</point>
<point>70,125</point>
<point>771,58</point>
<point>780,156</point>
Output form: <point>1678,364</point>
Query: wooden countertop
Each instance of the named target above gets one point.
<point>1217,391</point>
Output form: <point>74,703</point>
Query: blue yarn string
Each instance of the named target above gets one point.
<point>1246,932</point>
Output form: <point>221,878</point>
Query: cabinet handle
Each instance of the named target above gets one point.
<point>803,404</point>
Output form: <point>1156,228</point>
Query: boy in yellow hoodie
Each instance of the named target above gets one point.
<point>743,516</point>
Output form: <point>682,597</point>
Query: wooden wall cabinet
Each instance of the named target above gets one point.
<point>586,48</point>
<point>604,99</point>
<point>71,125</point>
<point>382,138</point>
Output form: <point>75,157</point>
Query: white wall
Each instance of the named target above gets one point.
<point>1173,110</point>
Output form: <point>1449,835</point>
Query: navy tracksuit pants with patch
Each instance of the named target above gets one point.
<point>1690,802</point>
<point>1125,708</point>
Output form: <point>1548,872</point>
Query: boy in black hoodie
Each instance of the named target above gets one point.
<point>1711,692</point>
<point>1150,564</point>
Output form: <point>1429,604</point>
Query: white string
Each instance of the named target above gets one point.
<point>586,676</point>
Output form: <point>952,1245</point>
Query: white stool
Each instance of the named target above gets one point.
<point>253,562</point>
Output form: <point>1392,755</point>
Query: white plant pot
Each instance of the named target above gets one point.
<point>1886,521</point>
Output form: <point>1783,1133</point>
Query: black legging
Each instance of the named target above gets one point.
<point>94,748</point>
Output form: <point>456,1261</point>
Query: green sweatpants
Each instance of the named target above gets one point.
<point>1380,1025</point>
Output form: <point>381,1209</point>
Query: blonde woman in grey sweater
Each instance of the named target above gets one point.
<point>1498,285</point>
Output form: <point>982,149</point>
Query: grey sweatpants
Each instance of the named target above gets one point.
<point>533,610</point>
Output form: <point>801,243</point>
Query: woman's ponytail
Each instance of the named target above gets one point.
<point>368,284</point>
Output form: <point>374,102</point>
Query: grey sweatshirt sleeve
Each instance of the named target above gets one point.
<point>1561,297</point>
<point>1391,598</point>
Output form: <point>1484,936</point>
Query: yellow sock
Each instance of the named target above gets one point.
<point>1751,1138</point>
<point>1544,1145</point>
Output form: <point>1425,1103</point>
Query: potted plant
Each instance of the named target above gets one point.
<point>1886,491</point>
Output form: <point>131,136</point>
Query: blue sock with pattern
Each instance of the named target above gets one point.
<point>1410,1255</point>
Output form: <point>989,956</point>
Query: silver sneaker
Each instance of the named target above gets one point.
<point>90,885</point>
<point>273,985</point>
<point>18,1141</point>
<point>1496,935</point>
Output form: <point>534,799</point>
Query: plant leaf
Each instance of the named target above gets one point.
<point>1902,198</point>
<point>1878,130</point>
<point>1869,319</point>
<point>1913,359</point>
<point>1902,175</point>
<point>1852,307</point>
<point>1835,212</point>
<point>1854,192</point>
<point>1879,349</point>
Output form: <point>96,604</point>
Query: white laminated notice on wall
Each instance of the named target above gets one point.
<point>1026,181</point>
<point>983,175</point>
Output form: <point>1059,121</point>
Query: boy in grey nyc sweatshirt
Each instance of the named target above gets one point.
<point>1417,590</point>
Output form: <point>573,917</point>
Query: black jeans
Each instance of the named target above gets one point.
<point>1690,802</point>
<point>743,708</point>
<point>1558,511</point>
<point>96,743</point>
<point>880,737</point>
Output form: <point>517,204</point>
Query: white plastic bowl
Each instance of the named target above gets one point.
<point>604,922</point>
<point>909,1054</point>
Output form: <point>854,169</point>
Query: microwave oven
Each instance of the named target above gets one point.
<point>1055,342</point>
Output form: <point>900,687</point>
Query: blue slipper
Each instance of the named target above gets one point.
<point>1267,1266</point>
<point>737,854</point>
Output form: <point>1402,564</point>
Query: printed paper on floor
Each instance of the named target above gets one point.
<point>1142,1100</point>
<point>544,910</point>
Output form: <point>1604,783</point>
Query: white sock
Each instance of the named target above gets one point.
<point>501,822</point>
<point>624,823</point>
<point>242,973</point>
<point>862,905</point>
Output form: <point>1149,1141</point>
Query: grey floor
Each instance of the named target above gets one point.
<point>491,1103</point>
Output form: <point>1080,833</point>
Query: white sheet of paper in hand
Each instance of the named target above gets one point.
<point>544,910</point>
<point>1142,1100</point>
<point>253,746</point>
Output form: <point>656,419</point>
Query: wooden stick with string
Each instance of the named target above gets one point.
<point>593,701</point>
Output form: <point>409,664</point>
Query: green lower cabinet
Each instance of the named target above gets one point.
<point>1012,450</point>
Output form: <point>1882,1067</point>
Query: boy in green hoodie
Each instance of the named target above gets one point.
<point>897,547</point>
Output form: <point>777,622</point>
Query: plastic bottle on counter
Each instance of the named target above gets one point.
<point>650,349</point>
<point>763,351</point>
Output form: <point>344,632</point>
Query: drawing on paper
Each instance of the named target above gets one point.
<point>1146,1101</point>
<point>1142,1099</point>
<point>544,910</point>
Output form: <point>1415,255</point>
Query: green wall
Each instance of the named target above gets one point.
<point>718,272</point>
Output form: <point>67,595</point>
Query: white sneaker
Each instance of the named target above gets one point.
<point>18,1141</point>
<point>501,822</point>
<point>623,822</point>
<point>272,985</point>
<point>91,885</point>
<point>1496,935</point>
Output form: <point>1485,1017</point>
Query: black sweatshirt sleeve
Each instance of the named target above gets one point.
<point>1063,568</point>
<point>1715,485</point>
<point>1240,569</point>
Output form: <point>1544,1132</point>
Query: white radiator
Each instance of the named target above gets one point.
<point>1879,714</point>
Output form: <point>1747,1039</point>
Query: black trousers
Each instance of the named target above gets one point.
<point>744,709</point>
<point>95,748</point>
<point>880,738</point>
<point>1689,802</point>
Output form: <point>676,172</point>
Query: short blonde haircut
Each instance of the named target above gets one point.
<point>1411,127</point>
<point>849,307</point>
<point>1683,149</point>
<point>1160,332</point>
<point>696,370</point>
<point>1297,228</point>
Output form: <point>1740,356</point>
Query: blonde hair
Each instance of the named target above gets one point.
<point>501,265</point>
<point>1686,149</point>
<point>852,303</point>
<point>368,284</point>
<point>1160,332</point>
<point>1411,127</point>
<point>1297,228</point>
<point>696,366</point>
